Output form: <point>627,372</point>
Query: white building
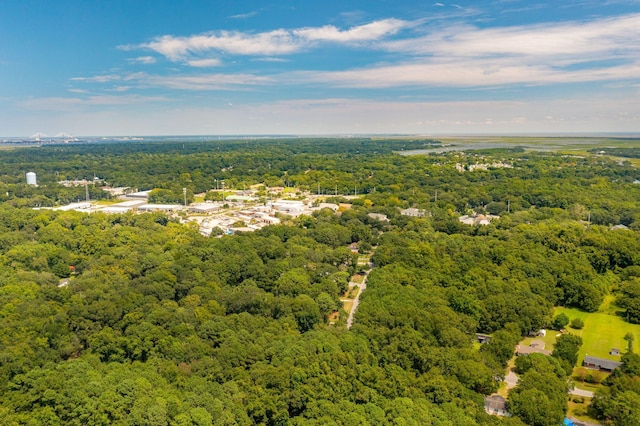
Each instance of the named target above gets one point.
<point>31,179</point>
<point>204,207</point>
<point>159,207</point>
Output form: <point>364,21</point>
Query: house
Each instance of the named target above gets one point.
<point>331,206</point>
<point>536,347</point>
<point>378,216</point>
<point>619,227</point>
<point>495,405</point>
<point>614,352</point>
<point>413,212</point>
<point>600,363</point>
<point>482,338</point>
<point>477,219</point>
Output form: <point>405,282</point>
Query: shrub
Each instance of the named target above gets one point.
<point>576,324</point>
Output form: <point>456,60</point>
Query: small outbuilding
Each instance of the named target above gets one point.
<point>483,338</point>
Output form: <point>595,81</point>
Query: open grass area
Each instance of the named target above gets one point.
<point>357,278</point>
<point>549,340</point>
<point>601,332</point>
<point>107,202</point>
<point>579,409</point>
<point>354,292</point>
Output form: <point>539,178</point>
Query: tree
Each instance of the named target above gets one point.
<point>540,398</point>
<point>306,312</point>
<point>630,338</point>
<point>560,321</point>
<point>566,350</point>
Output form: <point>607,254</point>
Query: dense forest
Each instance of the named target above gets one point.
<point>140,320</point>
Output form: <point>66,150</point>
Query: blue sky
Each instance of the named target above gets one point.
<point>157,67</point>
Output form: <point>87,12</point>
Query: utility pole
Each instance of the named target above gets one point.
<point>508,206</point>
<point>436,200</point>
<point>223,191</point>
<point>184,192</point>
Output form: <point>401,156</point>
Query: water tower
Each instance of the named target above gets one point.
<point>31,179</point>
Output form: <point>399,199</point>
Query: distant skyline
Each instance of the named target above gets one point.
<point>159,67</point>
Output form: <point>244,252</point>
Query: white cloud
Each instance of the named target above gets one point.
<point>270,59</point>
<point>76,103</point>
<point>97,78</point>
<point>276,42</point>
<point>205,81</point>
<point>462,56</point>
<point>464,73</point>
<point>244,15</point>
<point>203,63</point>
<point>574,39</point>
<point>372,31</point>
<point>146,60</point>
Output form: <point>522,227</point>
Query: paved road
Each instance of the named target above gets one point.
<point>511,379</point>
<point>356,301</point>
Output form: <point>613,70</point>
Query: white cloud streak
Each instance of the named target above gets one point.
<point>606,50</point>
<point>77,103</point>
<point>276,42</point>
<point>575,39</point>
<point>205,81</point>
<point>203,63</point>
<point>146,60</point>
<point>463,56</point>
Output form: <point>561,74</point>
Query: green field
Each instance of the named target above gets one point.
<point>601,332</point>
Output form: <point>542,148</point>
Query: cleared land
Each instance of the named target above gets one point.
<point>601,332</point>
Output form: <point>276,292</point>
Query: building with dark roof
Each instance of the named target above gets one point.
<point>600,363</point>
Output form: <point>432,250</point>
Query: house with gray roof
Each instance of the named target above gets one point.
<point>600,363</point>
<point>496,405</point>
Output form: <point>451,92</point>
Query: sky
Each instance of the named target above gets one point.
<point>334,67</point>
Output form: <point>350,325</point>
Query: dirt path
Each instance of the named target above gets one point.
<point>356,301</point>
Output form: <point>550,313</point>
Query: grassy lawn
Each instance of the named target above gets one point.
<point>602,331</point>
<point>549,340</point>
<point>107,202</point>
<point>354,292</point>
<point>357,278</point>
<point>578,410</point>
<point>364,260</point>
